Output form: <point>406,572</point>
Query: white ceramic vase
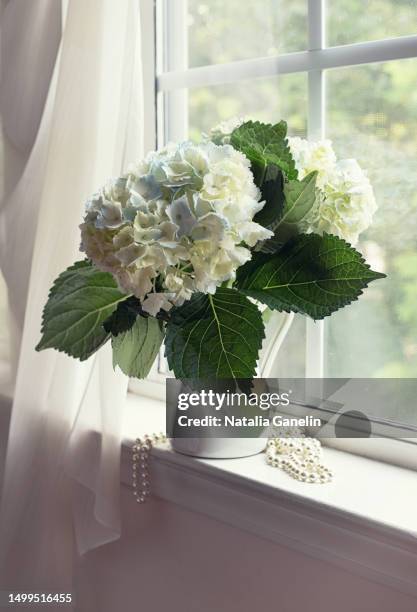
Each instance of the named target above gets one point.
<point>276,331</point>
<point>218,448</point>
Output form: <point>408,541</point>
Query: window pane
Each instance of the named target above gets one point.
<point>372,115</point>
<point>268,99</point>
<point>220,31</point>
<point>290,361</point>
<point>351,21</point>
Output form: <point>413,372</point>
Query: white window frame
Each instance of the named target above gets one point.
<point>167,80</point>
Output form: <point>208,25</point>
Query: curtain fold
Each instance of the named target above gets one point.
<point>62,466</point>
<point>30,39</point>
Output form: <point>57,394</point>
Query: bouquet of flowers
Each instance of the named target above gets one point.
<point>183,247</point>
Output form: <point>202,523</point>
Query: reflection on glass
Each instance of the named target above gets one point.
<point>220,31</point>
<point>372,115</point>
<point>267,99</point>
<point>290,361</point>
<point>352,21</point>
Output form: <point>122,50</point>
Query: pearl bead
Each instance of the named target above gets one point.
<point>299,457</point>
<point>140,465</point>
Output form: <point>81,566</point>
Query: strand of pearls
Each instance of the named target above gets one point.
<point>299,456</point>
<point>140,465</point>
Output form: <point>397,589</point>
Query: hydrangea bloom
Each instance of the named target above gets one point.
<point>178,222</point>
<point>345,198</point>
<point>221,133</point>
<point>313,155</point>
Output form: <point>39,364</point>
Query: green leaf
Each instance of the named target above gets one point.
<point>272,192</point>
<point>79,302</point>
<point>214,336</point>
<point>300,197</point>
<point>264,144</point>
<point>251,266</point>
<point>135,350</point>
<point>124,317</point>
<point>313,275</point>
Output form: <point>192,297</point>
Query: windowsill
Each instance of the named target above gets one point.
<point>363,521</point>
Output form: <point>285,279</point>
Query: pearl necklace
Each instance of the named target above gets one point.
<point>140,459</point>
<point>300,457</point>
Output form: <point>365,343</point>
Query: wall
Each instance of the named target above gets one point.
<point>171,559</point>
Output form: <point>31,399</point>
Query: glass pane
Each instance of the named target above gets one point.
<point>224,31</point>
<point>372,115</point>
<point>351,21</point>
<point>268,99</point>
<point>290,361</point>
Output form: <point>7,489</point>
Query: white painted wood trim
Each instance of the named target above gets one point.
<point>319,59</point>
<point>316,130</point>
<point>375,551</point>
<point>147,16</point>
<point>174,57</point>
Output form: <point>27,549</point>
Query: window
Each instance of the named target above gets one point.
<point>343,69</point>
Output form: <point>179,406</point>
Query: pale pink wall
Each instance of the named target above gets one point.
<point>169,559</point>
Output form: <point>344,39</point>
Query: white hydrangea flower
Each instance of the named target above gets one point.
<point>345,199</point>
<point>154,302</point>
<point>220,134</point>
<point>346,203</point>
<point>312,155</point>
<point>180,221</point>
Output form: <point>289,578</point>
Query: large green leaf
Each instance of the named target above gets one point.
<point>135,350</point>
<point>79,302</point>
<point>272,193</point>
<point>300,197</point>
<point>214,336</point>
<point>124,317</point>
<point>264,144</point>
<point>313,275</point>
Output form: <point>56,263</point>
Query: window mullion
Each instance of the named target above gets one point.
<point>175,58</point>
<point>316,129</point>
<point>148,32</point>
<point>316,29</point>
<point>355,54</point>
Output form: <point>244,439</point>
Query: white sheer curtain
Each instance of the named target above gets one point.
<point>69,124</point>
